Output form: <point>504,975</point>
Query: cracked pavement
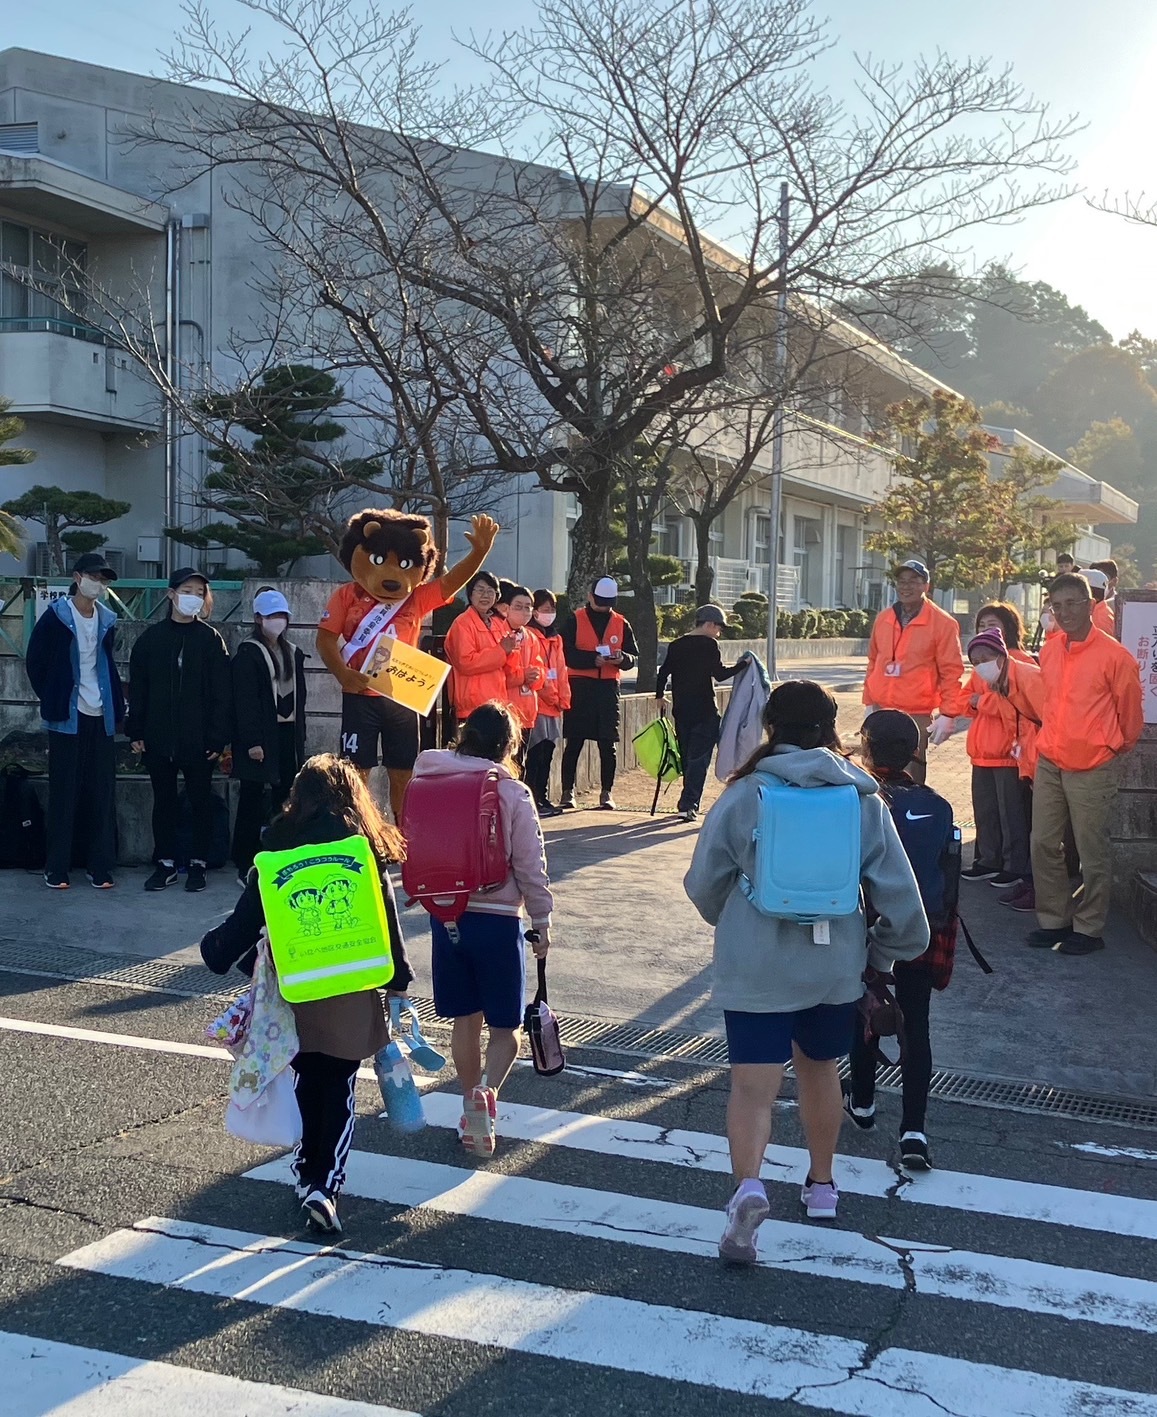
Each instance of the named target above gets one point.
<point>95,1140</point>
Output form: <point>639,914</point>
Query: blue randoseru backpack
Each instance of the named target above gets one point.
<point>807,853</point>
<point>931,841</point>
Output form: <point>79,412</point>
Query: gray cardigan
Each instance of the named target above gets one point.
<point>765,965</point>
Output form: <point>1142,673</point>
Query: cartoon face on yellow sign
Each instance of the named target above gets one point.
<point>408,676</point>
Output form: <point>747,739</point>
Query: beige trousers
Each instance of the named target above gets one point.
<point>1082,801</point>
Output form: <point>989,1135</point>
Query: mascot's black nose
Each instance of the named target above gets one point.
<point>392,586</point>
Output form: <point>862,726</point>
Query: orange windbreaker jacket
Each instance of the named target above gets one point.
<point>927,650</point>
<point>554,690</point>
<point>478,662</point>
<point>998,725</point>
<point>1087,697</point>
<point>523,700</point>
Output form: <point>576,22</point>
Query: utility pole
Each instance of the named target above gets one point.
<point>780,351</point>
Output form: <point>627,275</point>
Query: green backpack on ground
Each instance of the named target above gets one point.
<point>657,751</point>
<point>326,919</point>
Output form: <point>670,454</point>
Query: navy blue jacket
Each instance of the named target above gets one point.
<point>53,664</point>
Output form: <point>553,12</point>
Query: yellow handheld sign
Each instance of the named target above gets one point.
<point>326,919</point>
<point>407,675</point>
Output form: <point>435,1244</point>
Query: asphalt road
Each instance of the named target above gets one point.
<point>143,1272</point>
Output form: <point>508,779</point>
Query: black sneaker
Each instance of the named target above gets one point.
<point>548,809</point>
<point>977,872</point>
<point>163,876</point>
<point>1046,939</point>
<point>320,1212</point>
<point>56,880</point>
<point>101,881</point>
<point>1005,878</point>
<point>607,803</point>
<point>568,804</point>
<point>914,1153</point>
<point>1077,944</point>
<point>864,1117</point>
<point>195,877</point>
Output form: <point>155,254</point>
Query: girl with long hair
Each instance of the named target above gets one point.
<point>327,802</point>
<point>785,996</point>
<point>479,972</point>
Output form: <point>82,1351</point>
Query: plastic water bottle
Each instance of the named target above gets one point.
<point>402,1099</point>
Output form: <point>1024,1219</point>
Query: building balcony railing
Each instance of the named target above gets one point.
<point>70,373</point>
<point>42,324</point>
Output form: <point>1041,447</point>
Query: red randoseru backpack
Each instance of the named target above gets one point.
<point>455,845</point>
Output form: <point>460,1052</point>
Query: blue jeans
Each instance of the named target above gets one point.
<point>697,740</point>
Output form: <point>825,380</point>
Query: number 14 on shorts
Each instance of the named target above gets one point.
<point>349,744</point>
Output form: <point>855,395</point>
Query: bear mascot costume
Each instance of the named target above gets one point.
<point>391,557</point>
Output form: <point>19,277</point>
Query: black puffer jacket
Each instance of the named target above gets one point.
<point>255,713</point>
<point>180,691</point>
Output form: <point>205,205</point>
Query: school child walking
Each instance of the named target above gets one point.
<point>328,802</point>
<point>553,702</point>
<point>789,990</point>
<point>479,966</point>
<point>888,740</point>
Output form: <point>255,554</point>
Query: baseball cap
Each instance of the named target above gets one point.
<point>605,588</point>
<point>186,573</point>
<point>710,615</point>
<point>92,563</point>
<point>913,565</point>
<point>270,602</point>
<point>1097,579</point>
<point>894,728</point>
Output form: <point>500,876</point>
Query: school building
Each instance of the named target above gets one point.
<point>75,196</point>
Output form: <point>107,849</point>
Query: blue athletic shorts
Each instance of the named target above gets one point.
<point>820,1033</point>
<point>484,973</point>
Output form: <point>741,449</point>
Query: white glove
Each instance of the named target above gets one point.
<point>941,731</point>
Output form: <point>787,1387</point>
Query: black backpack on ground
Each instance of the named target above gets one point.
<point>23,845</point>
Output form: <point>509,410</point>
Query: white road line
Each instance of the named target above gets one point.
<point>703,1151</point>
<point>815,1370</point>
<point>157,1045</point>
<point>1092,1148</point>
<point>41,1376</point>
<point>800,1249</point>
<point>114,1040</point>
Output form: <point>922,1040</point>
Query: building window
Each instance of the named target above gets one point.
<point>807,555</point>
<point>761,539</point>
<point>42,280</point>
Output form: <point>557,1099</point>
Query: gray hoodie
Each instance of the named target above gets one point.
<point>765,965</point>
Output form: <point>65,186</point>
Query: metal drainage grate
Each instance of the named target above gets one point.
<point>196,982</point>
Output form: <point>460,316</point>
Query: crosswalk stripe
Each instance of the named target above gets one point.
<point>738,1355</point>
<point>703,1151</point>
<point>801,1249</point>
<point>42,1376</point>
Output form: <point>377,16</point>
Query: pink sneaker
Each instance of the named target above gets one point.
<point>820,1198</point>
<point>476,1129</point>
<point>746,1211</point>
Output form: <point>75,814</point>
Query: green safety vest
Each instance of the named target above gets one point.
<point>326,919</point>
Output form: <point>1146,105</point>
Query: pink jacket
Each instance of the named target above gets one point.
<point>528,881</point>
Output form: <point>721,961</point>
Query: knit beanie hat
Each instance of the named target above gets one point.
<point>988,639</point>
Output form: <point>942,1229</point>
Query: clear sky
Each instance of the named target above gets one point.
<point>1096,59</point>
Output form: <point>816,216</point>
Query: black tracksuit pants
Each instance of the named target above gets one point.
<point>325,1089</point>
<point>82,781</point>
<point>199,790</point>
<point>254,810</point>
<point>914,995</point>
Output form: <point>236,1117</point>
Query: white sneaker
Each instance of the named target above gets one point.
<point>746,1211</point>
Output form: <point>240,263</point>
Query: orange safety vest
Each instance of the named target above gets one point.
<point>586,639</point>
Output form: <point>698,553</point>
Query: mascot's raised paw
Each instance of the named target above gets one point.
<point>482,534</point>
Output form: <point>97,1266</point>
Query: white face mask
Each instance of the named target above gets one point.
<point>545,618</point>
<point>274,625</point>
<point>989,671</point>
<point>91,588</point>
<point>191,604</point>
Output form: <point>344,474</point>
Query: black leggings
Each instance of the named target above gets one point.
<point>537,774</point>
<point>913,994</point>
<point>608,762</point>
<point>326,1101</point>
